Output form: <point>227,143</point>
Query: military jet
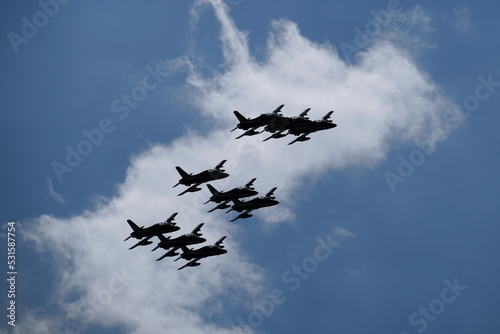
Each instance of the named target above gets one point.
<point>194,237</point>
<point>302,130</point>
<point>223,198</point>
<point>195,255</point>
<point>147,233</point>
<point>193,181</point>
<point>302,126</point>
<point>252,124</point>
<point>253,204</point>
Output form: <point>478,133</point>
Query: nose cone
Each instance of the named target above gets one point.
<point>224,175</point>
<point>175,228</point>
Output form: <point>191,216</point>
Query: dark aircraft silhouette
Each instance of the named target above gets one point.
<point>253,204</point>
<point>193,181</point>
<point>194,237</point>
<point>252,124</point>
<point>225,197</point>
<point>303,129</point>
<point>195,255</point>
<point>301,126</point>
<point>147,233</point>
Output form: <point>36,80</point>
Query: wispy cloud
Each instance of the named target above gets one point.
<point>53,193</point>
<point>382,102</point>
<point>461,19</point>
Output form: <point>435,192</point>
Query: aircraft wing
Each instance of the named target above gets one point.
<point>169,253</point>
<point>277,110</point>
<point>245,214</point>
<point>249,132</point>
<point>219,166</point>
<point>327,116</point>
<point>191,263</point>
<point>197,230</point>
<point>304,113</point>
<point>250,183</point>
<point>277,134</point>
<point>171,218</point>
<point>143,242</point>
<point>302,137</point>
<point>190,189</point>
<point>271,192</point>
<point>219,243</point>
<point>222,205</point>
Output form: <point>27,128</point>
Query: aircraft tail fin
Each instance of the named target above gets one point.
<point>212,189</point>
<point>182,172</point>
<point>133,225</point>
<point>240,117</point>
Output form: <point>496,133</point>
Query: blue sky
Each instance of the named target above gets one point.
<point>404,257</point>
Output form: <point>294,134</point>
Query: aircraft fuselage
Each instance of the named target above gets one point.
<point>205,176</point>
<point>155,229</point>
<point>205,251</point>
<point>233,193</point>
<point>255,203</point>
<point>187,239</point>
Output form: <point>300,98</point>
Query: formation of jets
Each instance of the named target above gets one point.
<point>280,126</point>
<point>223,200</point>
<point>172,245</point>
<point>275,123</point>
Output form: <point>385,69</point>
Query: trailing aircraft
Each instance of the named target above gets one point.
<point>223,198</point>
<point>252,124</point>
<point>195,255</point>
<point>192,238</point>
<point>193,181</point>
<point>146,233</point>
<point>253,204</point>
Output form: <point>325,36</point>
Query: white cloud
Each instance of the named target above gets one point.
<point>383,101</point>
<point>53,193</point>
<point>462,19</point>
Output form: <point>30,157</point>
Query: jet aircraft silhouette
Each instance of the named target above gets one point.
<point>147,233</point>
<point>195,255</point>
<point>225,197</point>
<point>252,124</point>
<point>253,204</point>
<point>194,237</point>
<point>301,126</point>
<point>193,181</point>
